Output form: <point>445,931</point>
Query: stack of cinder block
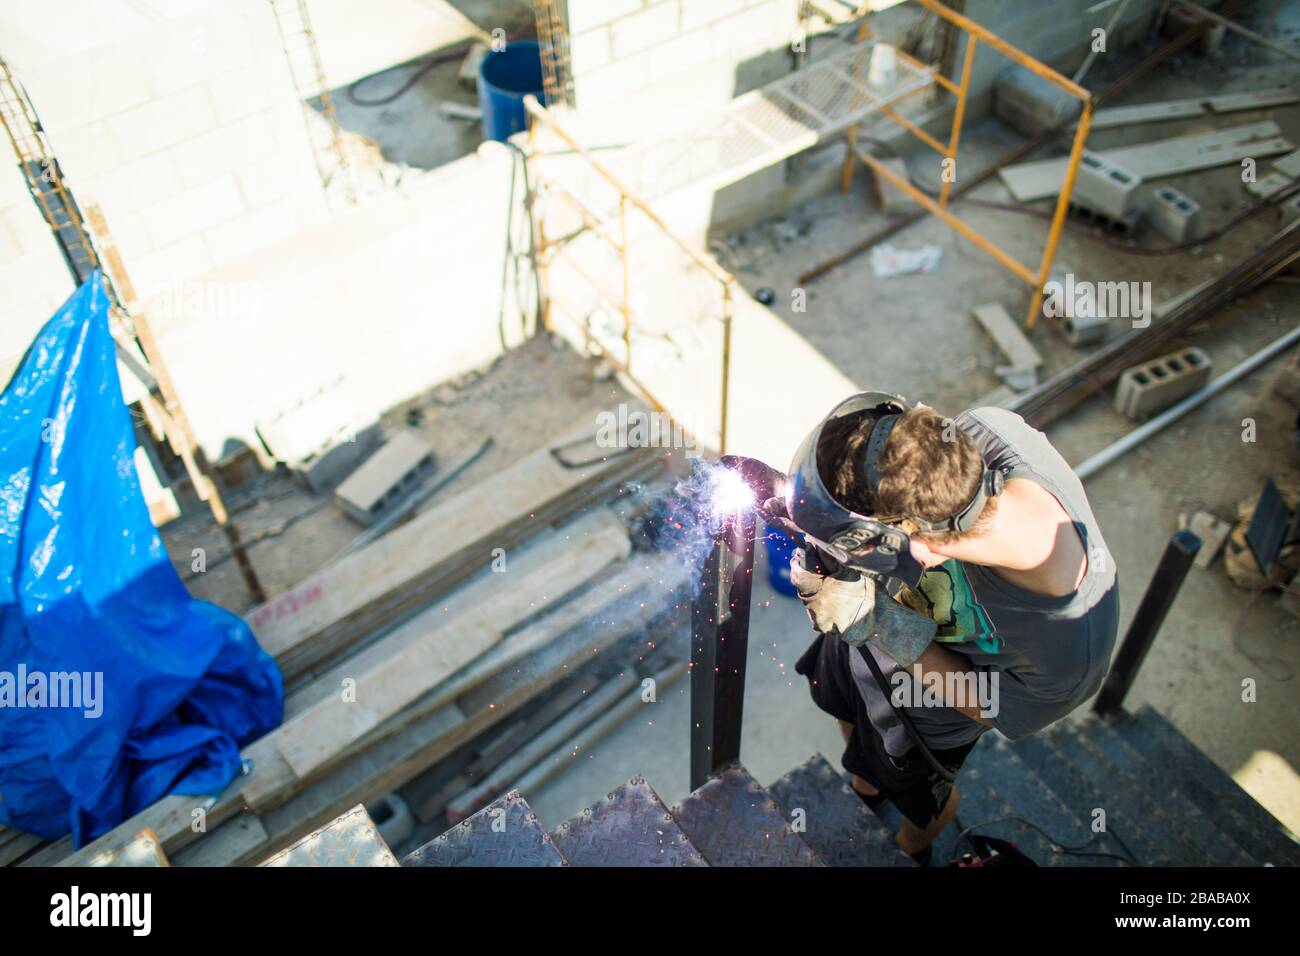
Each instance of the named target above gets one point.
<point>1153,386</point>
<point>1173,214</point>
<point>1030,103</point>
<point>1107,190</point>
<point>386,479</point>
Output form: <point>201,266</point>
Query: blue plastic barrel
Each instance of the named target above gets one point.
<point>505,77</point>
<point>779,551</point>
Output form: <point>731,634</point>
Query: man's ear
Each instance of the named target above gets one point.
<point>925,555</point>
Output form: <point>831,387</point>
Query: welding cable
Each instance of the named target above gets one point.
<point>421,68</point>
<point>1057,845</point>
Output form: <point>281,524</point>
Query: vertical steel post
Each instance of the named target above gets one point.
<point>719,645</point>
<point>1160,595</point>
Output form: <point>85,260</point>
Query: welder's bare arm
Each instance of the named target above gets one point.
<point>937,659</point>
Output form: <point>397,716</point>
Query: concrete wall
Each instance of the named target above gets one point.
<point>638,64</point>
<point>178,118</point>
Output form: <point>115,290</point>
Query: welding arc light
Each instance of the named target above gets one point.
<point>729,492</point>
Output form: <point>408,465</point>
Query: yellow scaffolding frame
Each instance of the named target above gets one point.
<point>975,33</point>
<point>546,250</point>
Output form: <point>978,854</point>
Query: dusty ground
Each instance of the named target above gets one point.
<point>915,335</point>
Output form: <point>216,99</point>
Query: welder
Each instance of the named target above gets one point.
<point>955,556</point>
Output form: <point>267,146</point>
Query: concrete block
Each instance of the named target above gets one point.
<point>239,93</point>
<point>140,183</point>
<point>165,267</point>
<point>386,479</point>
<point>1173,214</point>
<point>238,145</point>
<point>1082,322</point>
<point>1153,386</point>
<point>583,15</point>
<point>1029,103</point>
<point>321,438</point>
<point>698,13</point>
<point>892,200</point>
<point>1105,187</point>
<point>193,210</point>
<point>163,122</point>
<point>650,27</point>
<point>680,54</point>
<point>247,234</point>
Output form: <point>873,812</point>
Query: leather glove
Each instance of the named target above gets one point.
<point>834,602</point>
<point>846,605</point>
<point>766,481</point>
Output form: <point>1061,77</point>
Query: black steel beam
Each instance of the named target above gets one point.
<point>719,645</point>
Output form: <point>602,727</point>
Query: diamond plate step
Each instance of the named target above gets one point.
<point>1122,802</point>
<point>733,822</point>
<point>1132,838</point>
<point>1201,780</point>
<point>840,828</point>
<point>629,827</point>
<point>1033,799</point>
<point>504,833</point>
<point>1199,826</point>
<point>351,839</point>
<point>982,802</point>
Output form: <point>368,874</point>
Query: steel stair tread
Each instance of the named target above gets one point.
<point>982,802</point>
<point>838,826</point>
<point>504,833</point>
<point>1049,754</point>
<point>631,826</point>
<point>1204,782</point>
<point>1200,828</point>
<point>733,821</point>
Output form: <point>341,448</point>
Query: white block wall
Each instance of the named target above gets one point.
<point>639,64</point>
<point>179,118</point>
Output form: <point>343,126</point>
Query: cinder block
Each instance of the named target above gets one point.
<point>680,54</point>
<point>321,439</point>
<point>1082,323</point>
<point>588,51</point>
<point>193,210</point>
<point>1105,187</point>
<point>238,145</point>
<point>140,183</point>
<point>1173,214</point>
<point>166,267</point>
<point>1153,386</point>
<point>162,123</point>
<point>698,13</point>
<point>387,478</point>
<point>652,26</point>
<point>1030,103</point>
<point>251,232</point>
<point>238,93</point>
<point>583,15</point>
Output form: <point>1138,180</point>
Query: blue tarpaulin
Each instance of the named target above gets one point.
<point>116,687</point>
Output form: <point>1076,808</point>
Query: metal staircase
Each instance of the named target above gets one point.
<point>1164,802</point>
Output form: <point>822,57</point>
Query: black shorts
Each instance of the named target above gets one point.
<point>909,782</point>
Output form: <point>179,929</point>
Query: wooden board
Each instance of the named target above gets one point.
<point>642,590</point>
<point>375,585</point>
<point>324,731</point>
<point>1196,106</point>
<point>1043,179</point>
<point>1020,353</point>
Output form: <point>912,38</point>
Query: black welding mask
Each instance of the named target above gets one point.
<point>859,541</point>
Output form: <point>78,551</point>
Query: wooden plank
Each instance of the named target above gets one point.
<point>1043,179</point>
<point>546,550</point>
<point>1196,106</point>
<point>1288,165</point>
<point>15,844</point>
<point>374,585</point>
<point>243,834</point>
<point>1010,340</point>
<point>323,732</point>
<point>640,592</point>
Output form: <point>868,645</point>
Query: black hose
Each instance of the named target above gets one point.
<point>422,67</point>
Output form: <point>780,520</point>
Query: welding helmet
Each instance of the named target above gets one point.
<point>860,541</point>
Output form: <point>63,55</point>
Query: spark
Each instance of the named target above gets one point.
<point>729,493</point>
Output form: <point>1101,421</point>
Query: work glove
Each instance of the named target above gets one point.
<point>834,602</point>
<point>846,605</point>
<point>766,481</point>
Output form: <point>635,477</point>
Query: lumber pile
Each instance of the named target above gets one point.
<point>405,651</point>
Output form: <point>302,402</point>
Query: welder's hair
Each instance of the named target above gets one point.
<point>930,469</point>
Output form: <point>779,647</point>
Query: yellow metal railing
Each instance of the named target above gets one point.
<point>546,250</point>
<point>1035,278</point>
